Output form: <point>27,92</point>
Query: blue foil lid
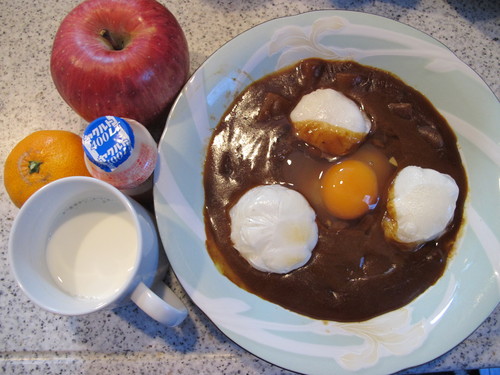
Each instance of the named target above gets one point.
<point>108,142</point>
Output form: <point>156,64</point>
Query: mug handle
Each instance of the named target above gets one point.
<point>160,303</point>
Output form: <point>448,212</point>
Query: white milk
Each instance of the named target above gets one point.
<point>92,248</point>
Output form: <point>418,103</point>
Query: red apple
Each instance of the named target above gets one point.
<point>127,58</point>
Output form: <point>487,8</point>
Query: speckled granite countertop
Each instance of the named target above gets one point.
<point>126,341</point>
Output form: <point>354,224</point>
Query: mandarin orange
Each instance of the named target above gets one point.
<point>42,157</point>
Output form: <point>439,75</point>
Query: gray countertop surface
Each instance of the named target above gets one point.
<point>125,340</point>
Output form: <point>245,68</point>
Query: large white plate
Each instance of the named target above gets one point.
<point>432,324</point>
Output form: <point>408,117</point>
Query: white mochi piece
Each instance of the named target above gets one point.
<point>331,107</point>
<point>421,204</point>
<point>274,228</point>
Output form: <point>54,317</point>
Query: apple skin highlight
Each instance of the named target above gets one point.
<point>127,58</point>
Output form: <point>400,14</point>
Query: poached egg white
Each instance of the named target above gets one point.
<point>420,205</point>
<point>330,121</point>
<point>274,228</point>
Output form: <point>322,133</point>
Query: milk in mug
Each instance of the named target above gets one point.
<point>92,248</point>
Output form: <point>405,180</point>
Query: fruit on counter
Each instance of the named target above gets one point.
<point>125,57</point>
<point>40,158</point>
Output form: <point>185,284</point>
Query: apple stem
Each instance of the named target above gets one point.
<point>116,43</point>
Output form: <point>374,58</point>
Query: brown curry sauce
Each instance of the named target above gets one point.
<point>354,273</point>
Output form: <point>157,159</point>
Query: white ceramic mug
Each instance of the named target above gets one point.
<point>79,245</point>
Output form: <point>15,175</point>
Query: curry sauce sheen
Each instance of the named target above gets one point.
<point>354,273</point>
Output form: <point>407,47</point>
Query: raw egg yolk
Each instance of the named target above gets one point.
<point>349,188</point>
